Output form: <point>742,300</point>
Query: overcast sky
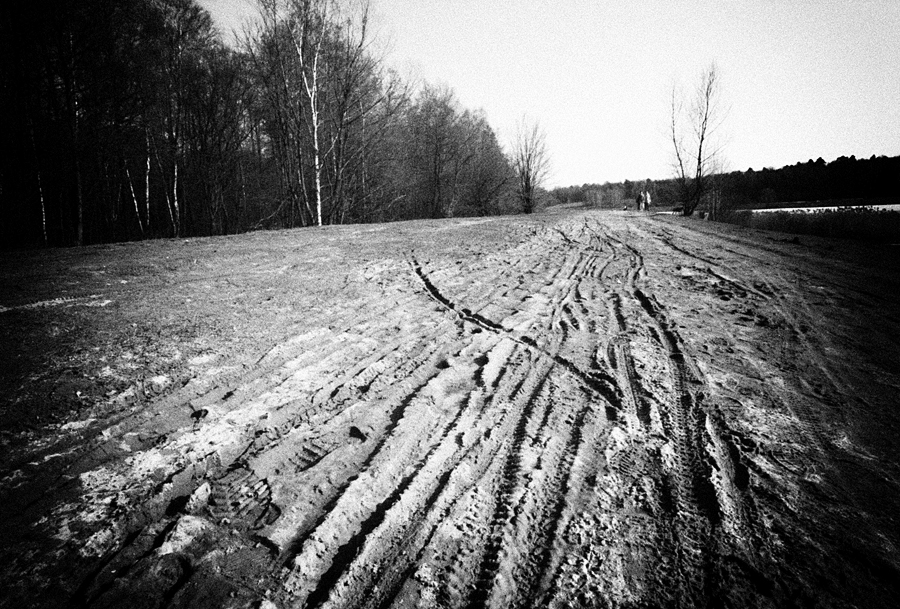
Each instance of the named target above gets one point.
<point>803,78</point>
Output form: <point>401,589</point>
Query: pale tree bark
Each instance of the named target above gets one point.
<point>325,102</point>
<point>285,50</point>
<point>162,172</point>
<point>311,85</point>
<point>137,211</point>
<point>175,196</point>
<point>188,29</point>
<point>40,184</point>
<point>147,180</point>
<point>43,207</point>
<point>173,132</point>
<point>356,104</point>
<point>313,10</point>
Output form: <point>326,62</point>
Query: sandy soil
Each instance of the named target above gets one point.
<point>575,409</point>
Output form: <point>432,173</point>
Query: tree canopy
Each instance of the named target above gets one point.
<point>130,119</point>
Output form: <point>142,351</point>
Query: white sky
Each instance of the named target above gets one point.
<point>803,78</point>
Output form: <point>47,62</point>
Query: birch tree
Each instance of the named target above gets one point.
<point>288,54</point>
<point>312,20</point>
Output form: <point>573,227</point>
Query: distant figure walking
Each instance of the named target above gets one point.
<point>647,200</point>
<point>640,201</point>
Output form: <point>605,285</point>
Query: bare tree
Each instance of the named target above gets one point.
<point>312,26</point>
<point>289,34</point>
<point>362,101</point>
<point>531,162</point>
<point>434,145</point>
<point>695,122</point>
<point>327,99</point>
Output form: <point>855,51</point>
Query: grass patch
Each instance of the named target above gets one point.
<point>859,223</point>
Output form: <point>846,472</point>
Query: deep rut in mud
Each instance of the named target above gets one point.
<point>605,411</point>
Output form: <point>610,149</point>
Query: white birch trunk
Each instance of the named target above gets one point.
<point>175,199</point>
<point>147,181</point>
<point>137,211</point>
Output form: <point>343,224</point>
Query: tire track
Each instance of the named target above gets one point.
<point>599,382</point>
<point>697,511</point>
<point>405,498</point>
<point>537,426</point>
<point>505,512</point>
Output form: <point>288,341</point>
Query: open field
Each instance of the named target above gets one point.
<point>575,409</point>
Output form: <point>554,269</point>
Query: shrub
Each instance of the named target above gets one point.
<point>741,217</point>
<point>860,223</point>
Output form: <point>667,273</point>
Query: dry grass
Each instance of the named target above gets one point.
<point>860,223</point>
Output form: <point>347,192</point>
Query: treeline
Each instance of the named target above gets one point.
<point>612,195</point>
<point>844,178</point>
<point>131,119</point>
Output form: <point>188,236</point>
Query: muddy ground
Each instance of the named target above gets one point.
<point>575,409</point>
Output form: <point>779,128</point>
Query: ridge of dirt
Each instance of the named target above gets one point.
<point>574,409</point>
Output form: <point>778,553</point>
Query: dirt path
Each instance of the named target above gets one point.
<point>575,409</point>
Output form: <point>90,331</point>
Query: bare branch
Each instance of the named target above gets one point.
<point>694,133</point>
<point>531,162</point>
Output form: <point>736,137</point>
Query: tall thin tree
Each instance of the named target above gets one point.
<point>694,131</point>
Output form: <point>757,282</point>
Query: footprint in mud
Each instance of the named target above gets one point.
<point>310,454</point>
<point>759,286</point>
<point>242,500</point>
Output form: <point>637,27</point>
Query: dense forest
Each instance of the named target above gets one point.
<point>812,181</point>
<point>131,119</point>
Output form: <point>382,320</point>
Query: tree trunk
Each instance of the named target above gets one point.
<point>317,164</point>
<point>40,184</point>
<point>312,92</point>
<point>147,180</point>
<point>166,192</point>
<point>137,211</point>
<point>79,202</point>
<point>177,220</point>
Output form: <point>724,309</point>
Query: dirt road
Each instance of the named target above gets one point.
<point>576,409</point>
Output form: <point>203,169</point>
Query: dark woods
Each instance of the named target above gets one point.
<point>130,119</point>
<point>845,178</point>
